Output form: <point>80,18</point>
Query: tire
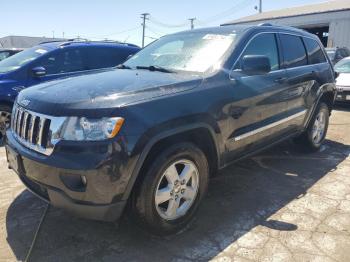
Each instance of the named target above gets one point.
<point>307,140</point>
<point>161,219</point>
<point>5,115</point>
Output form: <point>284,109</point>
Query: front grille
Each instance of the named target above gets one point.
<point>34,130</point>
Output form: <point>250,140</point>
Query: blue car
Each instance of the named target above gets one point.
<point>53,60</point>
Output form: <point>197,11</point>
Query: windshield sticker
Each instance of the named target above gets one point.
<point>217,37</point>
<point>41,51</point>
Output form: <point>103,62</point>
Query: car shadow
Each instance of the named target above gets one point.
<point>342,107</point>
<point>240,198</point>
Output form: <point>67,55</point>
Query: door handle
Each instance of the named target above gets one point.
<point>281,80</point>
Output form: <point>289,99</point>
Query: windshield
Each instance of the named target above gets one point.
<point>16,61</point>
<point>193,52</point>
<point>343,66</point>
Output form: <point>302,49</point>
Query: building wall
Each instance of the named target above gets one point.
<point>339,33</point>
<point>338,22</point>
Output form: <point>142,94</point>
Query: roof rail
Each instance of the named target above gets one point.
<point>265,24</point>
<point>52,41</point>
<point>66,42</point>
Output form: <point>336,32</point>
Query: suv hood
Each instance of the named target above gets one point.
<point>105,90</point>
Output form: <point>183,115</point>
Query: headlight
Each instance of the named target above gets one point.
<point>84,129</point>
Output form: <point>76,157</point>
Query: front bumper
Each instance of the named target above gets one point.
<point>90,184</point>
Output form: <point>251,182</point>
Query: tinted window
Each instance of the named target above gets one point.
<point>264,44</point>
<point>104,57</point>
<point>68,60</point>
<point>293,51</point>
<point>343,53</point>
<point>314,51</point>
<point>347,52</point>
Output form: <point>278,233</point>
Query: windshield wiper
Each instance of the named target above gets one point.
<point>155,68</point>
<point>122,66</point>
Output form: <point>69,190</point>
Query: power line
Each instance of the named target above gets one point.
<point>159,23</point>
<point>108,35</point>
<point>229,12</point>
<point>156,32</point>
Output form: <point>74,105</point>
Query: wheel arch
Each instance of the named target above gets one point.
<point>326,94</point>
<point>201,134</point>
<point>6,102</point>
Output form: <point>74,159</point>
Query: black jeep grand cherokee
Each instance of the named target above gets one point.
<point>149,133</point>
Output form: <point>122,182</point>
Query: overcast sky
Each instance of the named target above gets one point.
<point>120,20</point>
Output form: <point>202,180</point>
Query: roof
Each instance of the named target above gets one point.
<point>324,7</point>
<point>23,41</point>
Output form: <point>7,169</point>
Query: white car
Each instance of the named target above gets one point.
<point>343,80</point>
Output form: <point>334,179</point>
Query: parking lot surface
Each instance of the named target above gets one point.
<point>280,205</point>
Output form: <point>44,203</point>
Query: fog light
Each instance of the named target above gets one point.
<point>83,179</point>
<point>74,182</point>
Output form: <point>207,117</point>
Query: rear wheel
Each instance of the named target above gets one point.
<point>315,134</point>
<point>5,117</point>
<point>170,193</point>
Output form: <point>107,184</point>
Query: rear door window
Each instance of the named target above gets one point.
<point>293,51</point>
<point>104,57</point>
<point>314,51</point>
<point>264,44</point>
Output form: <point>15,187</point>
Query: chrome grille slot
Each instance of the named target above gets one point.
<point>33,130</point>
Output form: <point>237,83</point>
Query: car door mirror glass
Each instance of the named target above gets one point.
<point>255,64</point>
<point>39,71</point>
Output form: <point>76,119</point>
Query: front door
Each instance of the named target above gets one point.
<point>261,100</point>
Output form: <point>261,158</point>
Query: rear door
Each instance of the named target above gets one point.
<point>301,78</point>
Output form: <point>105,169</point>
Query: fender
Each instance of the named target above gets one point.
<point>166,134</point>
<point>326,88</point>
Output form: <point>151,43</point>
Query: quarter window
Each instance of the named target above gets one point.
<point>314,51</point>
<point>104,57</point>
<point>264,44</point>
<point>293,51</point>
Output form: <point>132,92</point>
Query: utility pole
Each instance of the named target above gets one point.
<point>144,17</point>
<point>260,6</point>
<point>192,22</point>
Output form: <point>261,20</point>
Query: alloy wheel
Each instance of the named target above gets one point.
<point>177,189</point>
<point>319,127</point>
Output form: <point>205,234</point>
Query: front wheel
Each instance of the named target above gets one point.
<point>315,134</point>
<point>173,186</point>
<point>5,118</point>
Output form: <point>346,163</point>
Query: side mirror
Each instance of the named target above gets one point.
<point>256,64</point>
<point>39,71</point>
<point>336,74</point>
